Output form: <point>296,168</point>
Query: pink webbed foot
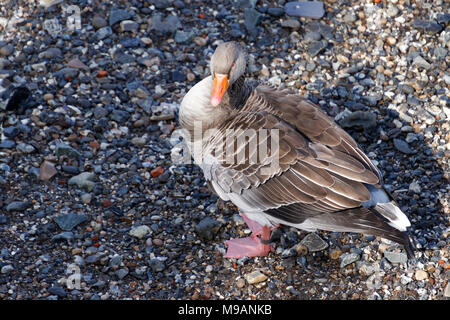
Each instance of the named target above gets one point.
<point>250,246</point>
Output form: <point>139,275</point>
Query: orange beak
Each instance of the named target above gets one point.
<point>220,86</point>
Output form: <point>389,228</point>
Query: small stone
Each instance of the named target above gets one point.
<point>86,198</point>
<point>7,144</point>
<point>98,22</point>
<point>47,170</point>
<point>190,76</point>
<point>103,33</point>
<point>276,12</point>
<point>83,181</point>
<point>139,231</point>
<point>291,23</point>
<point>63,149</point>
<point>350,18</point>
<point>200,41</point>
<point>255,277</point>
<point>421,63</point>
<point>335,254</point>
<point>70,220</point>
<point>17,206</point>
<point>139,141</point>
<point>7,50</point>
<point>251,20</point>
<point>307,9</point>
<point>240,283</point>
<point>184,36</point>
<point>396,257</point>
<point>128,26</point>
<point>402,146</point>
<point>392,11</point>
<point>316,47</point>
<point>391,40</point>
<point>157,242</point>
<point>208,228</point>
<point>7,269</point>
<point>58,291</point>
<point>156,265</point>
<point>348,258</point>
<point>117,15</point>
<point>447,290</point>
<point>314,243</point>
<point>66,236</point>
<point>359,120</point>
<point>77,64</point>
<point>415,187</point>
<point>121,273</point>
<point>421,275</point>
<point>48,97</point>
<point>25,148</point>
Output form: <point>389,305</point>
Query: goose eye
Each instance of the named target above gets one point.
<point>232,66</point>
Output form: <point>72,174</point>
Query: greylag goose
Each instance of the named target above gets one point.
<point>281,160</point>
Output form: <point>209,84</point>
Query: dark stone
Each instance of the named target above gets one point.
<point>359,120</point>
<point>208,228</point>
<point>316,47</point>
<point>63,236</point>
<point>11,131</point>
<point>19,99</point>
<point>7,144</point>
<point>70,220</point>
<point>17,206</point>
<point>119,116</point>
<point>156,265</point>
<point>251,20</point>
<point>178,76</point>
<point>58,290</point>
<point>117,15</point>
<point>443,18</point>
<point>427,26</point>
<point>403,147</point>
<point>276,12</point>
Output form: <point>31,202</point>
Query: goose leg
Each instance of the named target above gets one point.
<point>252,246</point>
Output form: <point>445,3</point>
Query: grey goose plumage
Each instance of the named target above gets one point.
<point>323,180</point>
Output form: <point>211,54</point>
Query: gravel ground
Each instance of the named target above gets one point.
<point>92,207</point>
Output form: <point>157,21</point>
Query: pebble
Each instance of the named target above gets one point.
<point>98,22</point>
<point>421,275</point>
<point>17,206</point>
<point>7,269</point>
<point>83,181</point>
<point>63,149</point>
<point>240,283</point>
<point>70,220</point>
<point>255,277</point>
<point>402,146</point>
<point>58,291</point>
<point>314,243</point>
<point>396,257</point>
<point>117,15</point>
<point>447,290</point>
<point>66,236</point>
<point>421,62</point>
<point>316,47</point>
<point>348,258</point>
<point>207,228</point>
<point>415,187</point>
<point>139,231</point>
<point>291,23</point>
<point>156,265</point>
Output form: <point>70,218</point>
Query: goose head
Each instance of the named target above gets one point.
<point>228,64</point>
